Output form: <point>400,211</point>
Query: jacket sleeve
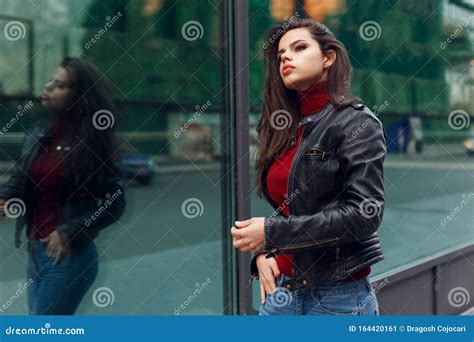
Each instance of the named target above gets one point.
<point>360,207</point>
<point>110,207</point>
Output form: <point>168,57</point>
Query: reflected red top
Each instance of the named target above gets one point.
<point>312,100</point>
<point>45,174</point>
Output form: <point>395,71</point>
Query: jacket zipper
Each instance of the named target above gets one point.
<point>324,153</point>
<point>294,271</point>
<point>309,244</point>
<point>316,152</point>
<point>291,166</point>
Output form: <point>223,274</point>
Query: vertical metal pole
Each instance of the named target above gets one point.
<point>227,174</point>
<point>240,48</point>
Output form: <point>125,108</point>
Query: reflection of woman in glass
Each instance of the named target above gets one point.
<point>68,188</point>
<point>320,165</point>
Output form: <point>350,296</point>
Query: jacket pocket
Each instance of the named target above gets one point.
<point>322,174</point>
<point>316,153</point>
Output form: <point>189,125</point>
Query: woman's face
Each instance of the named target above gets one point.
<point>301,61</point>
<point>59,93</point>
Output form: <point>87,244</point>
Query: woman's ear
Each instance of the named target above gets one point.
<point>329,58</point>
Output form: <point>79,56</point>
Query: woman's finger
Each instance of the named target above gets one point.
<point>52,252</point>
<point>57,257</point>
<point>270,281</point>
<point>266,287</point>
<point>262,293</point>
<point>48,250</point>
<point>272,285</point>
<point>244,223</point>
<point>275,270</point>
<point>267,283</point>
<point>240,243</point>
<point>236,232</point>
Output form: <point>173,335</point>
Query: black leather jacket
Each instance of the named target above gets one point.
<point>335,198</point>
<point>87,207</point>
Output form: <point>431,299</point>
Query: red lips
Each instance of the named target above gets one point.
<point>287,68</point>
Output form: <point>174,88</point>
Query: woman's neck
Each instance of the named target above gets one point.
<point>313,99</point>
<point>60,123</point>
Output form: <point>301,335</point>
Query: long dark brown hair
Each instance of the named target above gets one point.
<point>279,99</point>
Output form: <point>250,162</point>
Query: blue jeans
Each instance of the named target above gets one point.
<point>338,298</point>
<point>58,289</point>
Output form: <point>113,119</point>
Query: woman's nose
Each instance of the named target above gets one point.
<point>49,86</point>
<point>285,57</point>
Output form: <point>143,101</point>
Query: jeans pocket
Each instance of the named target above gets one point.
<point>368,301</point>
<point>337,304</point>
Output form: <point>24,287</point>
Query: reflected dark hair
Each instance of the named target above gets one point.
<point>91,147</point>
<point>277,97</point>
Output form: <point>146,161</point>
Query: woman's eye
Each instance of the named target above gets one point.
<point>300,47</point>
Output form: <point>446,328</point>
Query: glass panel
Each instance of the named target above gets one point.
<point>413,67</point>
<point>163,62</point>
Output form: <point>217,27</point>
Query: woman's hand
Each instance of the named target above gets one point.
<point>249,235</point>
<point>58,245</point>
<point>267,272</point>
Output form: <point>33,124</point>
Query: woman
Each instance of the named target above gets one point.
<point>65,188</point>
<point>320,165</point>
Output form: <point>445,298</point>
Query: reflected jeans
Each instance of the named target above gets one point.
<point>58,289</point>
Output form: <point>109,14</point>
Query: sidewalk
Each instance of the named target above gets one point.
<point>433,156</point>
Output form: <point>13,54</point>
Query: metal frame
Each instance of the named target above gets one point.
<point>424,287</point>
<point>227,194</point>
<point>241,160</point>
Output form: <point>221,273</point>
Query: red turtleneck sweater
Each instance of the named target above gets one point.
<point>311,101</point>
<point>46,173</point>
